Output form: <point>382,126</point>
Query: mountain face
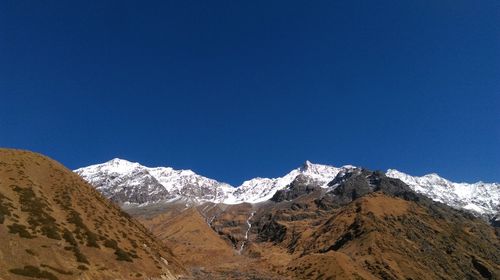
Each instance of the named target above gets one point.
<point>126,182</point>
<point>386,229</point>
<point>480,198</point>
<point>316,222</point>
<point>54,225</point>
<point>365,225</point>
<point>262,189</point>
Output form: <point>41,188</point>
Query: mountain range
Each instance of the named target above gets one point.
<point>316,222</point>
<point>361,225</point>
<point>132,183</point>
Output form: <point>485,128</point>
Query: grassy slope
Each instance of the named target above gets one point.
<point>53,225</point>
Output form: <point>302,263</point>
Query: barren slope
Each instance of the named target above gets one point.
<point>53,225</point>
<point>207,253</point>
<point>368,227</point>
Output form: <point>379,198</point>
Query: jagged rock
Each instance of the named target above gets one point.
<point>127,182</point>
<point>300,186</point>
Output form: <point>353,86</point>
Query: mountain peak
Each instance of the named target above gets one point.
<point>434,176</point>
<point>309,167</point>
<point>116,165</point>
<point>126,181</point>
<point>118,161</point>
<point>306,165</point>
<point>478,197</point>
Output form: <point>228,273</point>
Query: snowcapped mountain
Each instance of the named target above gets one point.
<point>127,182</point>
<point>262,189</point>
<point>481,198</point>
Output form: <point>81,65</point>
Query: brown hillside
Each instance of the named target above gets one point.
<point>207,253</point>
<point>180,232</point>
<point>369,227</point>
<point>53,225</point>
<point>392,238</point>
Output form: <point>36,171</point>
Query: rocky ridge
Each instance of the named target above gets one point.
<point>131,183</point>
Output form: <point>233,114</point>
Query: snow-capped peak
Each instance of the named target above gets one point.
<point>307,165</point>
<point>482,198</point>
<point>262,189</point>
<point>115,165</point>
<point>126,181</point>
<point>130,182</point>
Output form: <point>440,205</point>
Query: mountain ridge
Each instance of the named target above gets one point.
<point>115,176</point>
<point>132,183</point>
<point>369,226</point>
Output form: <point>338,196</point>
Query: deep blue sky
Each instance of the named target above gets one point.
<point>238,89</point>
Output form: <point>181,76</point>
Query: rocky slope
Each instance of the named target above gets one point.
<point>369,226</point>
<point>208,253</point>
<point>481,198</point>
<point>382,225</point>
<point>127,182</point>
<point>54,225</point>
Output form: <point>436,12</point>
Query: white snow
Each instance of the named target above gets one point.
<point>167,184</point>
<point>246,233</point>
<point>118,173</point>
<point>482,198</point>
<point>262,189</point>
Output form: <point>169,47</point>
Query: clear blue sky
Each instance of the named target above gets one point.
<point>238,89</point>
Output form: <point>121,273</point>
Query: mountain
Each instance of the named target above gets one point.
<point>126,182</point>
<point>365,225</point>
<point>316,222</point>
<point>208,253</point>
<point>381,226</point>
<point>54,225</point>
<point>262,189</point>
<point>481,198</point>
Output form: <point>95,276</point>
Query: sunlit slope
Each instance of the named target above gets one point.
<point>53,225</point>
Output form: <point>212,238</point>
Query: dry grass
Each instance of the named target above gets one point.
<point>47,209</point>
